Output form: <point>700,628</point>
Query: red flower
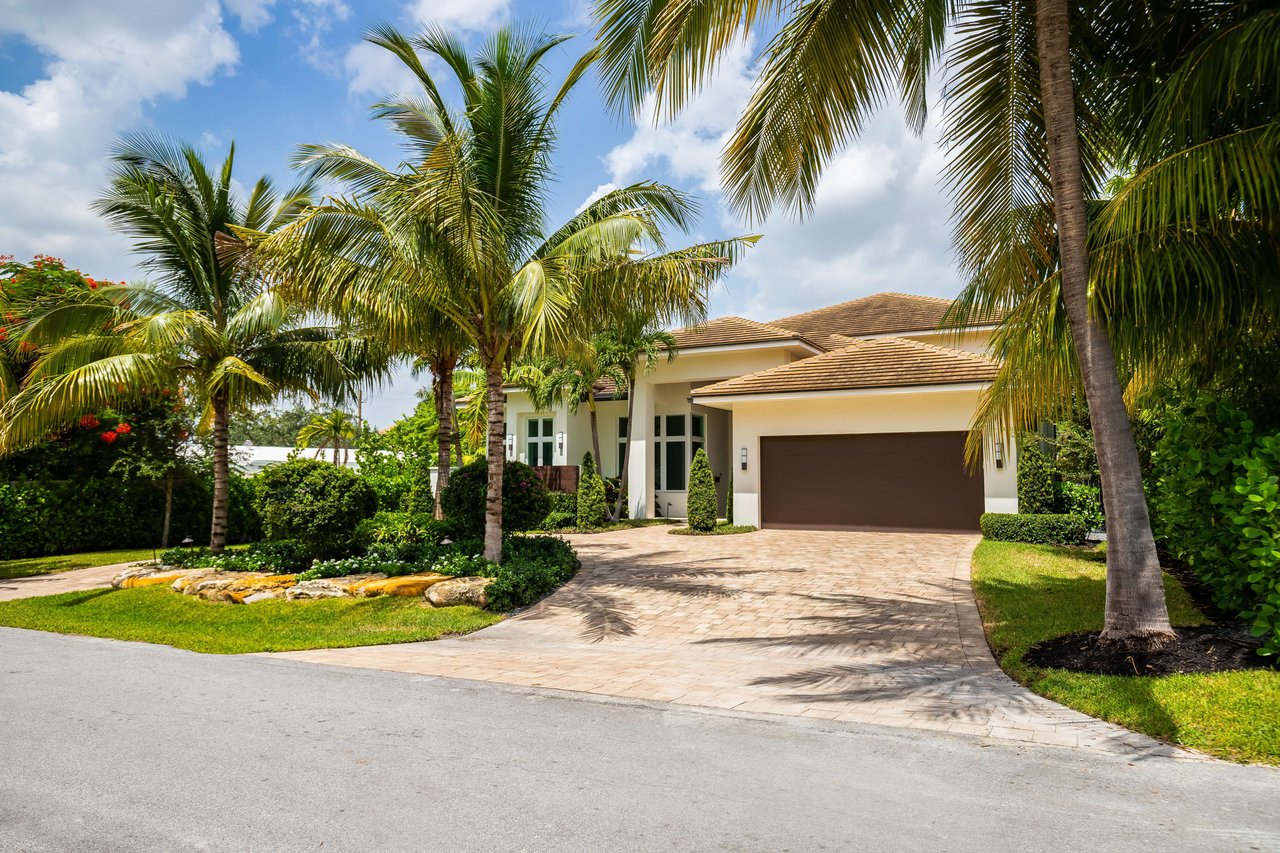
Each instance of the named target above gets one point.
<point>89,422</point>
<point>109,437</point>
<point>123,428</point>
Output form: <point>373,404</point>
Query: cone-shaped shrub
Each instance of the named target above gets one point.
<point>592,509</point>
<point>702,493</point>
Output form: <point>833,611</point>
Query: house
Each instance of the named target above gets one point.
<point>847,417</point>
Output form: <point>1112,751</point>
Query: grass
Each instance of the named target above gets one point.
<point>66,562</point>
<point>610,526</point>
<point>159,615</point>
<point>722,528</point>
<point>1031,593</point>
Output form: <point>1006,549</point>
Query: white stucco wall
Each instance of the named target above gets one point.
<point>883,412</point>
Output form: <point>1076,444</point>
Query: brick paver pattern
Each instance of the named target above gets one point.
<point>847,626</point>
<point>75,580</point>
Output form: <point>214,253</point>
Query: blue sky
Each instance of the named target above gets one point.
<point>271,74</point>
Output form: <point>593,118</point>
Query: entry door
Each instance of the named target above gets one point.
<point>889,481</point>
<point>541,439</point>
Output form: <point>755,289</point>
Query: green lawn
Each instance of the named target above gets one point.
<point>722,528</point>
<point>1031,593</point>
<point>66,562</point>
<point>159,615</point>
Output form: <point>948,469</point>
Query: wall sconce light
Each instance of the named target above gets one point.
<point>744,459</point>
<point>511,444</point>
<point>999,455</point>
<point>560,443</point>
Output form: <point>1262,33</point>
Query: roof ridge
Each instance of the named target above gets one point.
<point>964,354</point>
<point>861,299</point>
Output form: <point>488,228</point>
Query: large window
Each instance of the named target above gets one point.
<point>676,439</point>
<point>622,446</point>
<point>541,441</point>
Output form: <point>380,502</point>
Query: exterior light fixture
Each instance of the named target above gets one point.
<point>999,455</point>
<point>744,459</point>
<point>560,443</point>
<point>511,443</point>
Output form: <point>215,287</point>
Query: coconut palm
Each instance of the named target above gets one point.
<point>1015,131</point>
<point>204,323</point>
<point>336,430</point>
<point>475,191</point>
<point>572,380</point>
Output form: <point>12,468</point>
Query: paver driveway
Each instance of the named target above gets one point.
<point>864,627</point>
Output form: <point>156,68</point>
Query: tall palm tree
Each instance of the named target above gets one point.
<point>634,346</point>
<point>477,196</point>
<point>1016,134</point>
<point>575,379</point>
<point>335,430</point>
<point>205,322</point>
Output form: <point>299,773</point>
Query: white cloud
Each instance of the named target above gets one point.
<point>312,21</point>
<point>599,192</point>
<point>253,14</point>
<point>106,62</point>
<point>474,15</point>
<point>374,70</point>
<point>880,223</point>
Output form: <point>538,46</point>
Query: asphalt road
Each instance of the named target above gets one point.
<point>128,747</point>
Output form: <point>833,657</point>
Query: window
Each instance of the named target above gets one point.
<point>541,441</point>
<point>622,446</point>
<point>675,439</point>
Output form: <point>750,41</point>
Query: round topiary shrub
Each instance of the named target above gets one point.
<point>317,503</point>
<point>525,501</point>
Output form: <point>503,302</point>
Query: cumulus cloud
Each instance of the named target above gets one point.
<point>881,220</point>
<point>106,62</point>
<point>473,15</point>
<point>373,70</point>
<point>253,14</point>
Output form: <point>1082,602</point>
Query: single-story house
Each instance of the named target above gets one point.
<point>848,417</point>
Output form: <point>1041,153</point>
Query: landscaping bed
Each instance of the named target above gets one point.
<point>721,529</point>
<point>1201,649</point>
<point>1033,594</point>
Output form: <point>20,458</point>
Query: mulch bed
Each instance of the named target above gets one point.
<point>1207,648</point>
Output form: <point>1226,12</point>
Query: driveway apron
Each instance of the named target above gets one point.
<point>860,627</point>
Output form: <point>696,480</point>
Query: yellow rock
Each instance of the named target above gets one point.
<point>151,580</point>
<point>407,585</point>
<point>245,587</point>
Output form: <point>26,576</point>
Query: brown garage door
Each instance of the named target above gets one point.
<point>892,481</point>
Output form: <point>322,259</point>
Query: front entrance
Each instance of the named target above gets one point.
<point>540,445</point>
<point>890,481</point>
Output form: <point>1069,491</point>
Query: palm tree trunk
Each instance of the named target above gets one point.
<point>444,429</point>
<point>1135,589</point>
<point>626,455</point>
<point>168,511</point>
<point>335,451</point>
<point>595,431</point>
<point>496,450</point>
<point>221,470</point>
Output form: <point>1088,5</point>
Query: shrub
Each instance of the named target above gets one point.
<point>556,520</point>
<point>592,511</point>
<point>702,494</point>
<point>532,566</point>
<point>407,527</point>
<point>524,499</point>
<point>365,565</point>
<point>1084,501</point>
<point>613,485</point>
<point>1216,506</point>
<point>1038,529</point>
<point>287,556</point>
<point>317,503</point>
<point>728,498</point>
<point>1036,494</point>
<point>588,466</point>
<point>564,511</point>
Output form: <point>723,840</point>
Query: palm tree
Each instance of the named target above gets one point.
<point>476,194</point>
<point>206,323</point>
<point>573,380</point>
<point>634,344</point>
<point>335,430</point>
<point>1017,139</point>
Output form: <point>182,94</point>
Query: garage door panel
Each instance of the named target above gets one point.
<point>895,481</point>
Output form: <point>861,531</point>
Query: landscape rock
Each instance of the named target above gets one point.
<point>458,591</point>
<point>316,589</point>
<point>136,571</point>
<point>407,585</point>
<point>265,595</point>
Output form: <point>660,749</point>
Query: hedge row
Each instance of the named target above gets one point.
<point>101,514</point>
<point>1038,529</point>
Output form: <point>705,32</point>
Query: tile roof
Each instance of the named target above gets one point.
<point>881,363</point>
<point>727,331</point>
<point>882,313</point>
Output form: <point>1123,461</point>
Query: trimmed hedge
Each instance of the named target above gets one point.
<point>317,503</point>
<point>39,518</point>
<point>524,499</point>
<point>702,494</point>
<point>1036,492</point>
<point>1035,528</point>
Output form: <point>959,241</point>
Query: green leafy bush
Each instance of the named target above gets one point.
<point>363,565</point>
<point>525,501</point>
<point>1216,506</point>
<point>702,494</point>
<point>1036,528</point>
<point>556,520</point>
<point>388,527</point>
<point>287,556</point>
<point>728,498</point>
<point>1036,493</point>
<point>315,502</point>
<point>592,511</point>
<point>532,567</point>
<point>1084,501</point>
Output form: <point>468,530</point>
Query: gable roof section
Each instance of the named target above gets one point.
<point>882,313</point>
<point>735,331</point>
<point>882,363</point>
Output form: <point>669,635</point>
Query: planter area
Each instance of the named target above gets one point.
<point>234,587</point>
